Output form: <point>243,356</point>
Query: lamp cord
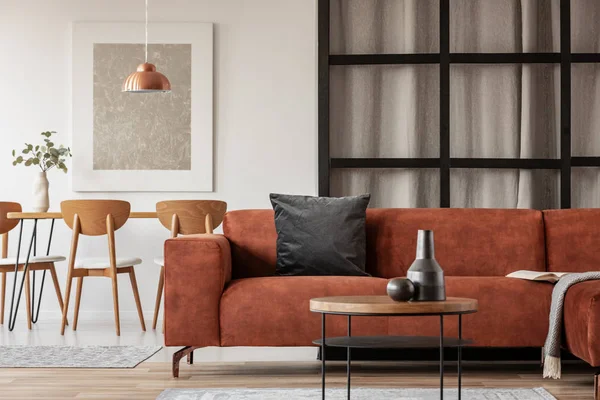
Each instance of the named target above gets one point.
<point>146,31</point>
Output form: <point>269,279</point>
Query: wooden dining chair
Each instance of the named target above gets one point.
<point>98,218</point>
<point>185,217</point>
<point>37,263</point>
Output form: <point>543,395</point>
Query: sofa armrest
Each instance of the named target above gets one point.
<point>582,321</point>
<point>197,268</point>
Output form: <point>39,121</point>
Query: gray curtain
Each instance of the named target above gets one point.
<point>499,111</point>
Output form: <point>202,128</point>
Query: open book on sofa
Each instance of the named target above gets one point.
<point>552,277</point>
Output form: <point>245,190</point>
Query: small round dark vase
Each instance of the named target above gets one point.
<point>400,289</point>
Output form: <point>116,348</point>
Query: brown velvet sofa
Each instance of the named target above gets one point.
<point>220,289</point>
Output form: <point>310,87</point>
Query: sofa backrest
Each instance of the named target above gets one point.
<point>252,236</point>
<point>468,242</point>
<point>573,240</point>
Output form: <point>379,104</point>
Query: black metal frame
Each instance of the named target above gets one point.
<point>323,346</point>
<point>444,163</point>
<point>14,307</point>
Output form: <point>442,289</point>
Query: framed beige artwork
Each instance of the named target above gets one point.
<point>142,141</point>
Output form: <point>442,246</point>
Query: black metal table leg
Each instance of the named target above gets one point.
<point>323,355</point>
<point>349,359</point>
<point>14,308</point>
<point>35,313</point>
<point>32,294</point>
<point>459,356</point>
<point>441,357</point>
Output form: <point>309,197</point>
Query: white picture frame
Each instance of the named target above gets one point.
<point>199,178</point>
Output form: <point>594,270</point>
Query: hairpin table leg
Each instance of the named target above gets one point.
<point>35,313</point>
<point>14,308</point>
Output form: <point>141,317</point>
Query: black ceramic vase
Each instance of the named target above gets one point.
<point>425,272</point>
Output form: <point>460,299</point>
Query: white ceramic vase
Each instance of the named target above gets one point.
<point>41,201</point>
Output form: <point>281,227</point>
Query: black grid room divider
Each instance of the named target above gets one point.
<point>444,163</point>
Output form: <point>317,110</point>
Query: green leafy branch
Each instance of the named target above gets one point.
<point>45,156</point>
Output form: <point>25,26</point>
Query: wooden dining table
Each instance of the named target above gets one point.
<point>32,250</point>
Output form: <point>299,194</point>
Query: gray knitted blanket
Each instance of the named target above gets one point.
<point>553,341</point>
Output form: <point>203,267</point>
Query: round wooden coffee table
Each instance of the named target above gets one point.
<point>383,306</point>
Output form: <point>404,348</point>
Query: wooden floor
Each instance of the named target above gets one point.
<point>267,367</point>
<point>150,378</point>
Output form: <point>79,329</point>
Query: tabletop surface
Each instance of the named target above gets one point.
<point>58,215</point>
<point>354,305</point>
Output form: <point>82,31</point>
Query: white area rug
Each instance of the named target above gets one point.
<point>357,394</point>
<point>74,357</point>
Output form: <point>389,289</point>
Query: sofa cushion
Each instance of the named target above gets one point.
<point>274,311</point>
<point>468,242</point>
<point>582,321</point>
<point>320,235</point>
<point>512,313</point>
<point>572,240</point>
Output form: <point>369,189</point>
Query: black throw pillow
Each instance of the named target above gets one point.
<point>320,235</point>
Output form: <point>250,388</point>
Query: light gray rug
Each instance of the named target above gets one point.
<point>74,357</point>
<point>357,394</point>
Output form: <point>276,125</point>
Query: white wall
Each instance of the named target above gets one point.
<point>265,115</point>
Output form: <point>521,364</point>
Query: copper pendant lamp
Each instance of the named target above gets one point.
<point>146,79</point>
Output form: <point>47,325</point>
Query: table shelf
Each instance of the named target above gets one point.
<point>392,342</point>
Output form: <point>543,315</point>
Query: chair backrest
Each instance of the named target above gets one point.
<point>188,217</point>
<point>92,214</point>
<point>6,225</point>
